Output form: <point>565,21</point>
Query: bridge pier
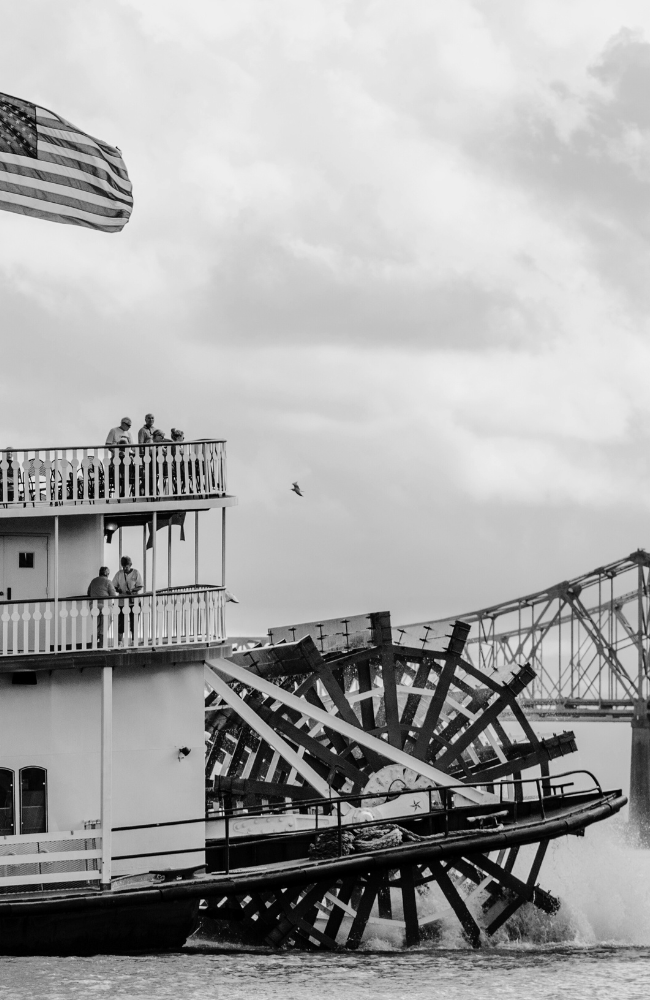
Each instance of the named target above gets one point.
<point>640,774</point>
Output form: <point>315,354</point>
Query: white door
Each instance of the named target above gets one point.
<point>23,567</point>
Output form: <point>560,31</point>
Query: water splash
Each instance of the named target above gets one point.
<point>603,882</point>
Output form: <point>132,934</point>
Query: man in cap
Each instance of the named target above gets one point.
<point>121,434</point>
<point>145,434</point>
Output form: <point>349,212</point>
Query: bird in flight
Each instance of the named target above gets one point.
<point>296,489</point>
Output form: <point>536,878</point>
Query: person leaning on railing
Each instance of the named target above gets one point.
<point>99,588</point>
<point>120,436</point>
<point>127,581</point>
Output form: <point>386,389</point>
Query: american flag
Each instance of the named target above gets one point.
<point>52,170</point>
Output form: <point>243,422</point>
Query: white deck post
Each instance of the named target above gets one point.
<point>144,557</point>
<point>154,610</point>
<point>169,554</point>
<point>107,774</point>
<point>196,548</point>
<point>56,583</point>
<point>223,546</point>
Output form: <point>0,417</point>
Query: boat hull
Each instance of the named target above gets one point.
<point>34,928</point>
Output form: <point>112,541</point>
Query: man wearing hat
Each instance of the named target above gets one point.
<point>121,434</point>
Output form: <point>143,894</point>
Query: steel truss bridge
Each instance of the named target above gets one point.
<point>586,639</point>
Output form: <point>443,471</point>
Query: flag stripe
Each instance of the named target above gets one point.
<point>50,120</point>
<point>107,181</point>
<point>82,158</point>
<point>74,140</point>
<point>14,164</point>
<point>21,184</point>
<point>62,200</point>
<point>40,210</point>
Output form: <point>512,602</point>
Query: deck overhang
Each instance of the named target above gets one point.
<point>116,507</point>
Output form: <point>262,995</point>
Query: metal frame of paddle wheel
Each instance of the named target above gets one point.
<point>328,705</point>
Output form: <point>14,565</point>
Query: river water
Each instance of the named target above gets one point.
<point>598,945</point>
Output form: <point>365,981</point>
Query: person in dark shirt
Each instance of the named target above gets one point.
<point>99,588</point>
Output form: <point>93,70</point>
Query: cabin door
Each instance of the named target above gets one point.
<point>23,567</point>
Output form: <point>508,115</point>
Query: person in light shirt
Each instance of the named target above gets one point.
<point>121,434</point>
<point>127,581</point>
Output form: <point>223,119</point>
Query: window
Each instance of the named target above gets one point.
<point>25,560</point>
<point>6,802</point>
<point>33,800</point>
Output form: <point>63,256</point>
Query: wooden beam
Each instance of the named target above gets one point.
<point>378,747</point>
<point>364,910</point>
<point>433,712</point>
<point>367,708</point>
<point>335,762</point>
<point>410,907</point>
<point>382,637</point>
<point>249,716</point>
<point>286,926</point>
<point>457,904</point>
<point>337,914</point>
<point>413,700</point>
<point>504,700</point>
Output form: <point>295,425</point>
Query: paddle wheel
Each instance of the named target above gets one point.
<point>407,766</point>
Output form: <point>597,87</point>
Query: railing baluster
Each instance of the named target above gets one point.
<point>37,618</point>
<point>74,614</point>
<point>63,627</point>
<point>47,616</point>
<point>15,618</point>
<point>84,615</point>
<point>26,617</point>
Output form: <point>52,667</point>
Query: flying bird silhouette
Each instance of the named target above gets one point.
<point>296,489</point>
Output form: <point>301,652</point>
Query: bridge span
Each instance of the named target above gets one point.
<point>588,641</point>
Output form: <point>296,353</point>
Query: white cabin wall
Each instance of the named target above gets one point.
<point>81,548</point>
<point>55,724</point>
<point>156,710</point>
<point>80,552</point>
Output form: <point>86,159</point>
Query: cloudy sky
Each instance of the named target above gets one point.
<point>396,251</point>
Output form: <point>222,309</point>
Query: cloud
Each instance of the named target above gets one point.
<point>396,251</point>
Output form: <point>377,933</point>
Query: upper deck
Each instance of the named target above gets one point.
<point>89,478</point>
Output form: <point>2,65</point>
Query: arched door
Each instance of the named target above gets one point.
<point>7,821</point>
<point>33,800</point>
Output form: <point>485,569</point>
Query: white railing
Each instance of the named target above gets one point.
<point>89,475</point>
<point>176,616</point>
<point>49,858</point>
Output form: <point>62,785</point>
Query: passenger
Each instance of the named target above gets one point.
<point>101,586</point>
<point>121,434</point>
<point>159,437</point>
<point>178,453</point>
<point>127,581</point>
<point>145,434</point>
<point>98,590</point>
